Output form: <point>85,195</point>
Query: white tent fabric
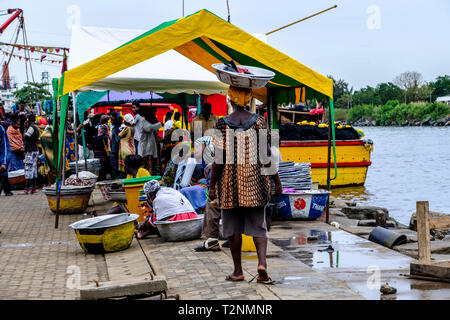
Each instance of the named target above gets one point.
<point>168,72</point>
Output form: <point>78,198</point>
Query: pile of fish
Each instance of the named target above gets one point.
<point>74,181</point>
<point>295,176</point>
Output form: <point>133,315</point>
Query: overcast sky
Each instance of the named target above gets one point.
<point>363,42</point>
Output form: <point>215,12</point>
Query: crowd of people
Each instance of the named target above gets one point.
<point>131,147</point>
<point>21,149</point>
<point>110,138</point>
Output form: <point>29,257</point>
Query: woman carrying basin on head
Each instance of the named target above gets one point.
<point>241,189</point>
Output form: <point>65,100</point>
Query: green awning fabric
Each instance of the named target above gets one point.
<point>85,100</point>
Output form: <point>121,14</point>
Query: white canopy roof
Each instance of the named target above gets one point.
<point>168,72</point>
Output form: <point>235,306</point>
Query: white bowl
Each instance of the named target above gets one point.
<point>257,79</point>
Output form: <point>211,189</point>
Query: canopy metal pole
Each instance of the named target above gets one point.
<point>60,184</point>
<point>75,135</point>
<point>328,167</point>
<point>61,165</point>
<point>63,155</point>
<point>331,136</point>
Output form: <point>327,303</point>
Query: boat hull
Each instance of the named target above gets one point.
<point>352,156</point>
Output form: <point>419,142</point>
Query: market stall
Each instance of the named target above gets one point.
<point>201,39</point>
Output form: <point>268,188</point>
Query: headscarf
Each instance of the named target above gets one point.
<point>240,96</point>
<point>151,186</point>
<point>128,118</point>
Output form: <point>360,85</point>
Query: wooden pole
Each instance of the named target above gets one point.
<point>423,232</point>
<point>315,14</point>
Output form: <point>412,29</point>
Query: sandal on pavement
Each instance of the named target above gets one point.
<point>211,246</point>
<point>231,277</point>
<point>263,276</point>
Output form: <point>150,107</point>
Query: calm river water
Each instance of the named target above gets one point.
<point>409,164</point>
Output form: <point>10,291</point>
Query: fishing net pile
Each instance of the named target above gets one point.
<point>296,132</point>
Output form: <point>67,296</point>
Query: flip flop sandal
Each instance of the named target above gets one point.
<point>268,281</point>
<point>263,277</point>
<point>230,277</point>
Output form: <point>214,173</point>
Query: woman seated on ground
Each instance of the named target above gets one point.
<point>134,169</point>
<point>168,205</point>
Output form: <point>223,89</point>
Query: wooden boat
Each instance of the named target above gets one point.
<point>352,156</point>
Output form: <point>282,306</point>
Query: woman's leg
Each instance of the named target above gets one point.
<point>235,248</point>
<point>261,249</point>
<point>35,173</point>
<point>256,225</point>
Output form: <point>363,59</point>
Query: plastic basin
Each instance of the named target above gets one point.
<point>183,230</point>
<point>72,201</point>
<point>306,205</point>
<point>103,234</point>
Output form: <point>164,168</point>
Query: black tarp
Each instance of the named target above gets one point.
<point>295,132</point>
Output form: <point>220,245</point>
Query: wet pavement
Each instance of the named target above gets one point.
<point>355,260</point>
<point>307,260</point>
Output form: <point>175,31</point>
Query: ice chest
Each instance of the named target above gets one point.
<point>307,205</point>
<point>132,188</point>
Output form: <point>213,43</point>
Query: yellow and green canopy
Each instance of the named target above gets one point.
<point>205,39</point>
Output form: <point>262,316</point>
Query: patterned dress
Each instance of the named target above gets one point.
<point>17,149</point>
<point>241,183</point>
<point>126,146</point>
<point>70,149</point>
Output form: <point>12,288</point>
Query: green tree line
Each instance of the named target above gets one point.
<point>407,98</point>
<point>395,113</point>
<point>407,87</point>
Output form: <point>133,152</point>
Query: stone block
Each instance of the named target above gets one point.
<point>363,212</point>
<point>112,289</point>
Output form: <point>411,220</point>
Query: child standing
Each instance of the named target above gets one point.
<point>31,140</point>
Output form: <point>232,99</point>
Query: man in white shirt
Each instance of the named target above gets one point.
<point>168,122</point>
<point>137,124</point>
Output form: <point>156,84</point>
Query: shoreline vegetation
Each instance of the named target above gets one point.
<point>394,113</point>
<point>406,101</point>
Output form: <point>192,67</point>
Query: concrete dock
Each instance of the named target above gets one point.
<point>307,260</point>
